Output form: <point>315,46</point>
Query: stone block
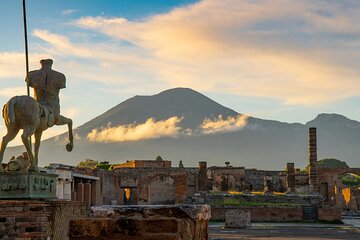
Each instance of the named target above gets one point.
<point>161,222</point>
<point>28,185</point>
<point>237,218</point>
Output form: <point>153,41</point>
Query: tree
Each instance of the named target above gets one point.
<point>88,163</point>
<point>159,158</point>
<point>330,163</point>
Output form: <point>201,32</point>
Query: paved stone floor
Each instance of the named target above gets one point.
<point>286,231</point>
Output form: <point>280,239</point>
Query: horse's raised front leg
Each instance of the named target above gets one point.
<point>12,131</point>
<point>62,121</point>
<point>25,139</point>
<point>38,134</point>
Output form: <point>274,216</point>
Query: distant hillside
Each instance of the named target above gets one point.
<point>243,141</point>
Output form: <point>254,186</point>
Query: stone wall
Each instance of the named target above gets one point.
<point>262,214</point>
<point>32,219</point>
<point>238,199</point>
<point>170,222</point>
<point>329,214</point>
<point>255,178</point>
<point>156,185</point>
<point>277,214</point>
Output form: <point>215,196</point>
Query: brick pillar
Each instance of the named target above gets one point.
<point>202,176</point>
<point>80,192</point>
<point>290,177</point>
<point>313,184</point>
<point>87,193</point>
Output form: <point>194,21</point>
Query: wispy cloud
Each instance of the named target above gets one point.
<point>294,51</point>
<point>13,91</point>
<point>69,11</point>
<point>151,129</point>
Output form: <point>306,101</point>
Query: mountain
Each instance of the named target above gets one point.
<point>182,102</point>
<point>241,140</point>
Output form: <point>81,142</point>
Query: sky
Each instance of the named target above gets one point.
<point>284,60</point>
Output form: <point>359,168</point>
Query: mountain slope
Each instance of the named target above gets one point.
<point>261,143</point>
<point>182,102</point>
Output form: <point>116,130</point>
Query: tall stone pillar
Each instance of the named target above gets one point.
<point>87,193</point>
<point>202,176</point>
<point>313,183</point>
<point>67,189</point>
<point>80,192</point>
<point>290,177</point>
<point>60,188</point>
<point>94,193</point>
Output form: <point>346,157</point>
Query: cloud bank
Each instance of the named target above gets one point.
<point>151,129</point>
<point>220,125</point>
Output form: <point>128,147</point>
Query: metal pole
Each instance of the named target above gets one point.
<point>26,47</point>
<point>26,52</point>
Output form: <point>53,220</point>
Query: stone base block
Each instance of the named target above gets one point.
<point>237,218</point>
<point>28,185</point>
<point>160,222</point>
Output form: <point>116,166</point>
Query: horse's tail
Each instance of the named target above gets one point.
<point>9,112</point>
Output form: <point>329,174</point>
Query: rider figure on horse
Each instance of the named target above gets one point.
<point>47,84</point>
<point>35,115</point>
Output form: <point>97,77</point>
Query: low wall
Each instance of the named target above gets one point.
<point>262,214</point>
<point>275,199</point>
<point>33,219</point>
<point>329,214</point>
<point>170,222</point>
<point>277,214</point>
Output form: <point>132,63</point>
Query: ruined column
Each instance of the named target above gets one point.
<point>312,161</point>
<point>60,188</point>
<point>80,192</point>
<point>290,177</point>
<point>94,193</point>
<point>202,176</point>
<point>87,193</point>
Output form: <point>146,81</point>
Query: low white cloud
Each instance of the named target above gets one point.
<point>220,125</point>
<point>151,129</point>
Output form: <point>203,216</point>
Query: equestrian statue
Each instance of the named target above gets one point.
<point>34,116</point>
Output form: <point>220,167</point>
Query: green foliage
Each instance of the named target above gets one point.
<point>105,166</point>
<point>88,163</point>
<point>350,179</point>
<point>159,158</point>
<point>329,163</point>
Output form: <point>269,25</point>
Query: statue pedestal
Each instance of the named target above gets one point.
<point>27,185</point>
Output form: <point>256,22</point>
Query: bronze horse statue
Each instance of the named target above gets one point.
<point>36,115</point>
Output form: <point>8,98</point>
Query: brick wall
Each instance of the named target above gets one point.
<point>329,214</point>
<point>32,219</point>
<point>262,214</point>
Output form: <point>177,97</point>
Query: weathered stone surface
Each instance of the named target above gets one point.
<point>32,219</point>
<point>160,222</point>
<point>29,185</point>
<point>237,218</point>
